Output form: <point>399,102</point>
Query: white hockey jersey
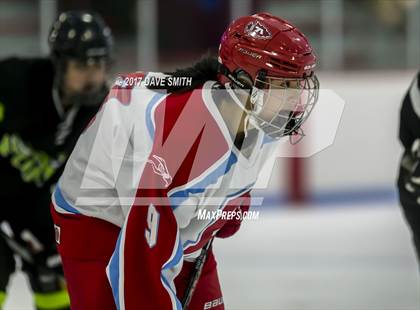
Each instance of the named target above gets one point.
<point>149,155</point>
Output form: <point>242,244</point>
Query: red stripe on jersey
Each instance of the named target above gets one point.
<point>187,137</point>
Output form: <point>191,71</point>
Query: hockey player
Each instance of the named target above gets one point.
<point>45,103</point>
<point>126,207</point>
<point>409,176</point>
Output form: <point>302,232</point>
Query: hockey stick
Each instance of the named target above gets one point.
<point>17,248</point>
<point>198,267</point>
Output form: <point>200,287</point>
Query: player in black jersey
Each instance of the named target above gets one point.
<point>409,176</point>
<point>45,103</point>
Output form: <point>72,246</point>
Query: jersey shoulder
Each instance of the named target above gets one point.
<point>124,85</point>
<point>183,113</point>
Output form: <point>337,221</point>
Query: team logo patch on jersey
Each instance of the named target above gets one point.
<point>257,30</point>
<point>159,167</point>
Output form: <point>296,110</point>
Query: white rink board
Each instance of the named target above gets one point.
<point>357,258</point>
<point>366,151</point>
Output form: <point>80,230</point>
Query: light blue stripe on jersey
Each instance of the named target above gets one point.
<point>267,139</point>
<point>149,122</point>
<point>61,201</point>
<point>114,272</point>
<point>178,197</point>
<point>234,195</point>
<point>172,263</point>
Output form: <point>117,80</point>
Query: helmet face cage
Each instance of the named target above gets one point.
<point>278,61</point>
<point>279,106</point>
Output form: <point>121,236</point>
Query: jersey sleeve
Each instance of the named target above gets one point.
<point>147,258</point>
<point>148,254</point>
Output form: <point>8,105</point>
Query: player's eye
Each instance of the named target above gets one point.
<point>292,84</point>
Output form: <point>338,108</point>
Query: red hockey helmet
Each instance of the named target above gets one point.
<point>275,61</point>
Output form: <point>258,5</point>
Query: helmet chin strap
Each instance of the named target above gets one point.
<point>256,97</point>
<point>246,120</point>
<point>234,96</point>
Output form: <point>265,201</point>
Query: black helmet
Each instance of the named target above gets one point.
<point>80,35</point>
